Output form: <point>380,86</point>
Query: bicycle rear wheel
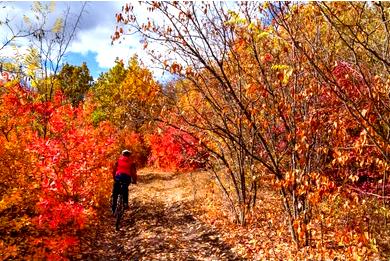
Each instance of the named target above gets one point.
<point>119,211</point>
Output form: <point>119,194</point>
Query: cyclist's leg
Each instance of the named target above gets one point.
<point>115,193</point>
<point>126,182</point>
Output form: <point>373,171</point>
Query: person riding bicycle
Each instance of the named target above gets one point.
<point>124,171</point>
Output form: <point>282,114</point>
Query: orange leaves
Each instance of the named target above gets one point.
<point>301,228</point>
<point>280,76</point>
<point>156,4</point>
<point>127,8</point>
<point>134,141</point>
<point>8,252</point>
<point>189,72</point>
<point>119,17</point>
<point>115,36</point>
<point>252,89</point>
<point>165,64</point>
<point>175,68</point>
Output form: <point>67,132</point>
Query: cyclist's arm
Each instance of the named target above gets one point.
<point>133,172</point>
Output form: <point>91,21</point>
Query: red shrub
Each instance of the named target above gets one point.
<point>173,149</point>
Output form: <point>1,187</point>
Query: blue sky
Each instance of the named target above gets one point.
<point>89,59</point>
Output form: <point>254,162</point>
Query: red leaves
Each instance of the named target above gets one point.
<point>72,159</point>
<point>63,174</point>
<point>268,57</point>
<point>350,80</point>
<point>58,214</point>
<point>173,149</point>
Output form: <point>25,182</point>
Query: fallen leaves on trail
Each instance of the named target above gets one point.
<point>162,224</point>
<point>180,217</point>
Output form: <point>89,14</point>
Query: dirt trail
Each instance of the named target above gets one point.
<point>162,224</point>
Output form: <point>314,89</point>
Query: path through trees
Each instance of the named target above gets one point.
<point>162,224</point>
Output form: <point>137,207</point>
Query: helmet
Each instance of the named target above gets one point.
<point>126,152</point>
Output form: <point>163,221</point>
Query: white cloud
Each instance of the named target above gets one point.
<point>94,34</point>
<point>98,40</point>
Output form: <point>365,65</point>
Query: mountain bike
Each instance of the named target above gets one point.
<point>120,206</point>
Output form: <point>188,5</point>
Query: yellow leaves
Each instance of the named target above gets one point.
<point>374,245</point>
<point>58,25</point>
<point>261,35</point>
<point>363,135</point>
<point>287,76</point>
<point>382,165</point>
<point>20,223</point>
<point>37,6</point>
<point>32,60</point>
<point>353,178</point>
<point>283,72</point>
<point>340,157</point>
<point>26,19</point>
<point>14,198</point>
<point>52,6</point>
<point>280,67</point>
<point>127,93</point>
<point>235,19</point>
<point>251,26</point>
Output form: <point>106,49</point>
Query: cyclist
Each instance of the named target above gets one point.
<point>124,171</point>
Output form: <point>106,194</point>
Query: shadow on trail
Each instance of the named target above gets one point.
<point>153,231</point>
<point>172,233</point>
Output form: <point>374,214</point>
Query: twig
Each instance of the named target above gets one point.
<point>368,193</point>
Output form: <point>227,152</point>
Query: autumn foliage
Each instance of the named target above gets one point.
<point>285,104</point>
<point>175,150</point>
<point>53,184</point>
<point>293,91</point>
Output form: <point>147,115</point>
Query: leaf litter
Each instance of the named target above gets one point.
<point>163,223</point>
